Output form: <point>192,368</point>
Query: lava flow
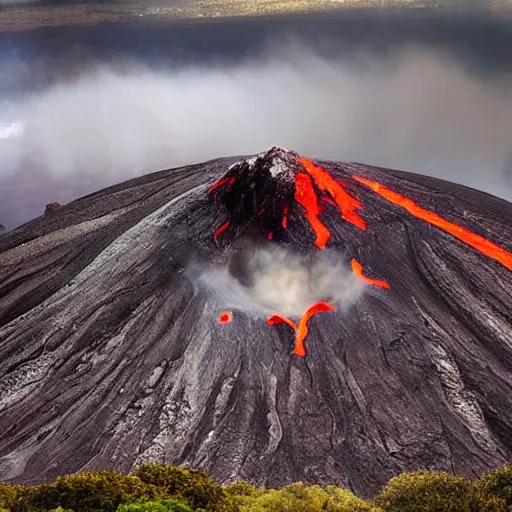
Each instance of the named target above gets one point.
<point>221,230</point>
<point>478,242</point>
<point>226,317</point>
<point>306,196</point>
<point>358,271</point>
<point>301,331</point>
<point>332,193</point>
<point>345,202</point>
<point>284,220</point>
<point>221,182</point>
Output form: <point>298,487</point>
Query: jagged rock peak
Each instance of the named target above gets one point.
<point>51,207</point>
<point>276,161</point>
<point>260,188</point>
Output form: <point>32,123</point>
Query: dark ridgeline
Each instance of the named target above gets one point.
<point>41,56</point>
<point>109,356</point>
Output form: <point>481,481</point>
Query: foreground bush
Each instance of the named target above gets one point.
<point>154,506</point>
<point>8,496</point>
<point>192,486</point>
<point>296,498</point>
<point>159,488</point>
<point>498,483</point>
<point>342,500</point>
<point>91,491</point>
<point>424,491</point>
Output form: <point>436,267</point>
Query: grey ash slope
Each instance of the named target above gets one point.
<point>109,356</point>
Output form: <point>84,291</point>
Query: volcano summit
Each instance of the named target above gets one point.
<point>272,318</point>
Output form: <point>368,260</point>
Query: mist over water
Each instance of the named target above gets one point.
<point>417,109</point>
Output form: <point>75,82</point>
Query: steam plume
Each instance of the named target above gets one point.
<point>280,281</point>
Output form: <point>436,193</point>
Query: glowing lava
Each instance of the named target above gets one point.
<point>345,202</point>
<point>306,196</point>
<point>358,271</point>
<point>478,242</point>
<point>221,182</point>
<point>284,220</point>
<point>301,331</point>
<point>226,317</point>
<point>221,230</point>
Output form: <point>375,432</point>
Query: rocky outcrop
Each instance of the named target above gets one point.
<point>115,350</point>
<point>51,207</point>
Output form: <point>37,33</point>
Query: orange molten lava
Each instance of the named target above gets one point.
<point>301,331</point>
<point>346,203</point>
<point>221,182</point>
<point>358,271</point>
<point>226,317</point>
<point>306,196</point>
<point>277,318</point>
<point>221,230</point>
<point>478,242</point>
<point>284,221</point>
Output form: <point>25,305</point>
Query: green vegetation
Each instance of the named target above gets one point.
<point>423,491</point>
<point>498,483</point>
<point>154,506</point>
<point>160,488</point>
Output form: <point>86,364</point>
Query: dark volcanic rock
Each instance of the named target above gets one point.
<point>111,355</point>
<point>51,208</point>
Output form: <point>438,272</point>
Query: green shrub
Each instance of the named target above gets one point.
<point>9,495</point>
<point>241,489</point>
<point>498,483</point>
<point>192,486</point>
<point>284,500</point>
<point>154,506</point>
<point>297,498</point>
<point>342,500</point>
<point>86,492</point>
<point>424,491</point>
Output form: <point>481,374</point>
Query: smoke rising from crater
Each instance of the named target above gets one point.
<point>419,111</point>
<point>277,280</point>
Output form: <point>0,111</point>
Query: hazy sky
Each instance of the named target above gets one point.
<point>419,109</point>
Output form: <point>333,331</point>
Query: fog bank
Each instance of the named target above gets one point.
<point>419,111</point>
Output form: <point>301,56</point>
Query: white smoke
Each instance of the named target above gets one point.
<point>280,281</point>
<point>420,111</point>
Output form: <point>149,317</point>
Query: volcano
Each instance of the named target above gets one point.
<point>114,351</point>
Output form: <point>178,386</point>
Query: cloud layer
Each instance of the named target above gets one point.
<point>419,111</point>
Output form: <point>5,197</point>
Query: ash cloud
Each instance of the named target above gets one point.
<point>418,110</point>
<point>276,280</point>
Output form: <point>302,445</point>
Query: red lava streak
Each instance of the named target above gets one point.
<point>218,184</point>
<point>221,230</point>
<point>345,202</point>
<point>301,331</point>
<point>478,242</point>
<point>225,317</point>
<point>221,182</point>
<point>358,271</point>
<point>306,196</point>
<point>284,221</point>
